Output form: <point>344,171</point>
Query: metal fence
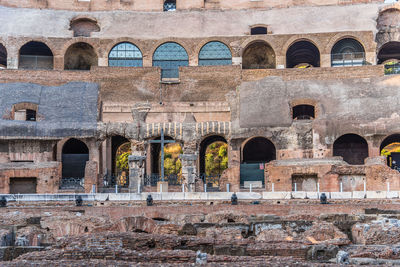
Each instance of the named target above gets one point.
<point>211,181</point>
<point>36,62</point>
<point>72,183</point>
<point>154,178</point>
<point>348,59</point>
<point>111,180</point>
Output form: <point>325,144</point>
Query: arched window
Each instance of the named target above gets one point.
<point>302,54</point>
<point>389,55</point>
<point>258,150</point>
<point>3,57</point>
<point>258,55</point>
<point>352,147</point>
<point>215,53</point>
<point>35,55</point>
<point>80,56</point>
<point>258,30</point>
<point>125,55</point>
<point>170,56</point>
<point>303,112</point>
<point>169,5</point>
<point>347,52</point>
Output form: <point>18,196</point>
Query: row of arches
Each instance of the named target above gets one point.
<point>170,55</point>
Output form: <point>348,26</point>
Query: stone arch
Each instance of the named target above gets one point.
<point>204,144</point>
<point>348,52</point>
<point>303,51</point>
<point>390,148</point>
<point>222,54</point>
<point>75,154</point>
<point>125,54</point>
<point>352,148</point>
<point>80,56</point>
<point>258,55</point>
<point>83,26</point>
<point>258,150</point>
<point>3,56</point>
<point>169,56</point>
<point>35,55</point>
<point>116,142</point>
<point>389,51</point>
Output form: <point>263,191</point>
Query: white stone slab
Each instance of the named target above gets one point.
<point>219,195</point>
<point>341,195</point>
<point>101,197</point>
<point>154,195</point>
<point>376,194</point>
<point>196,196</point>
<point>299,194</point>
<point>276,195</point>
<point>312,195</point>
<point>358,194</point>
<point>173,196</point>
<point>248,195</point>
<point>392,194</point>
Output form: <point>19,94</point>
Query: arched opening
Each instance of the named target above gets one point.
<point>75,154</point>
<point>24,111</point>
<point>3,57</point>
<point>215,53</point>
<point>169,5</point>
<point>172,162</point>
<point>255,153</point>
<point>80,56</point>
<point>258,55</point>
<point>389,55</point>
<point>169,57</point>
<point>352,148</point>
<point>84,27</point>
<point>390,148</point>
<point>303,112</point>
<point>35,55</point>
<point>120,149</point>
<point>213,160</point>
<point>302,54</point>
<point>125,55</point>
<point>347,52</point>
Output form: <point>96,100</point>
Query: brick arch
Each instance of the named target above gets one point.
<point>294,39</point>
<point>171,40</point>
<point>268,140</point>
<point>340,36</point>
<point>50,45</point>
<point>106,49</point>
<point>95,44</point>
<point>354,148</point>
<point>202,43</point>
<point>60,144</point>
<point>254,39</point>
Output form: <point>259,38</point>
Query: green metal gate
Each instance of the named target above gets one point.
<point>251,172</point>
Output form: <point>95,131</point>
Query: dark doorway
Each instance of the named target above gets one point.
<point>389,51</point>
<point>390,148</point>
<point>75,154</point>
<point>258,150</point>
<point>258,30</point>
<point>80,56</point>
<point>352,147</point>
<point>258,55</point>
<point>3,57</point>
<point>302,54</point>
<point>23,185</point>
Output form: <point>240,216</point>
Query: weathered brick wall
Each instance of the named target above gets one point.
<point>157,5</point>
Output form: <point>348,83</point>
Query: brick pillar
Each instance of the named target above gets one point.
<point>325,61</point>
<point>137,165</point>
<point>58,62</point>
<point>12,59</point>
<point>90,175</point>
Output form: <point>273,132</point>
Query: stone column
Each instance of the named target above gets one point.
<point>137,165</point>
<point>189,170</point>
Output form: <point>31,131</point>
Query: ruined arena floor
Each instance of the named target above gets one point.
<point>262,233</point>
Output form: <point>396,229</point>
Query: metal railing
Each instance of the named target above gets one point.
<point>72,183</point>
<point>211,181</point>
<point>111,180</point>
<point>348,59</point>
<point>391,69</point>
<point>154,178</point>
<point>36,62</point>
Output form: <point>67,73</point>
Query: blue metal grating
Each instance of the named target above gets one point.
<point>125,55</point>
<point>215,53</point>
<point>169,57</point>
